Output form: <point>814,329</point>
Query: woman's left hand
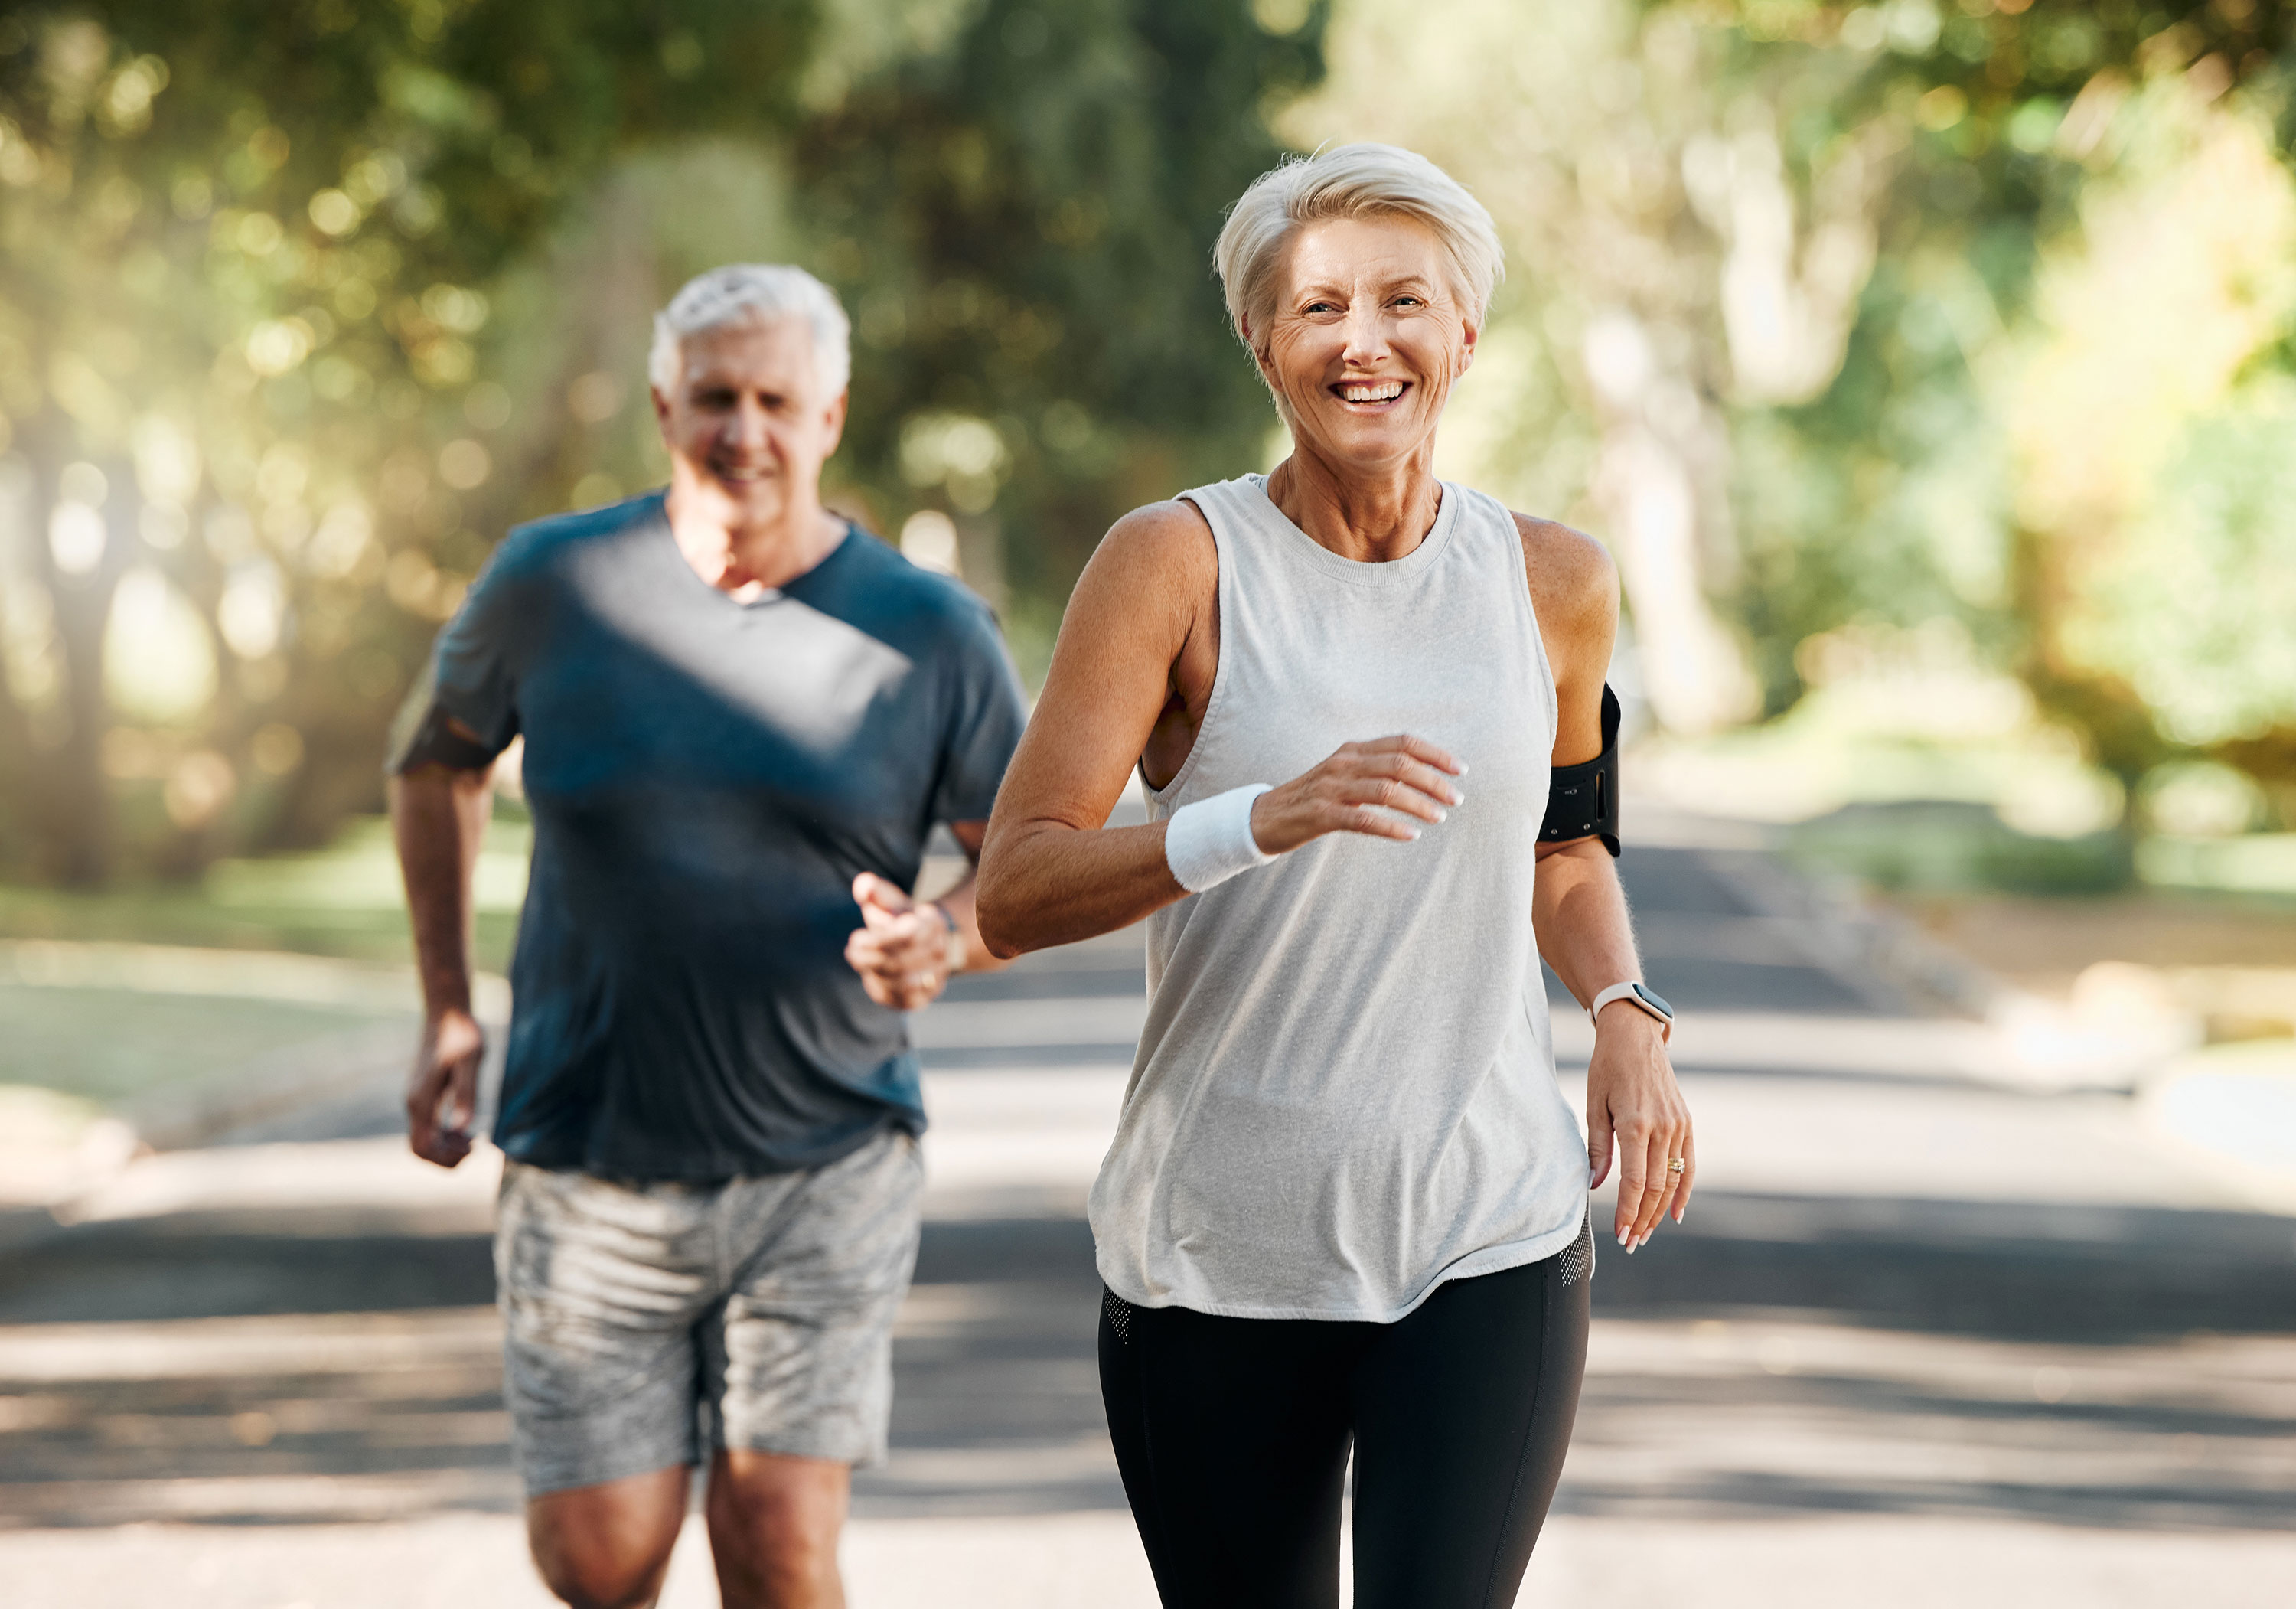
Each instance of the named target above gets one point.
<point>1632,1096</point>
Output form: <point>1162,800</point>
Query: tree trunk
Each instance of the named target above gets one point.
<point>73,840</point>
<point>1692,672</point>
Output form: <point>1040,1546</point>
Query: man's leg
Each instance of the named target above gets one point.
<point>606,1547</point>
<point>601,1285</point>
<point>797,1373</point>
<point>773,1522</point>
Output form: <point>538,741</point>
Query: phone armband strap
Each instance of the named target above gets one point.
<point>1582,801</point>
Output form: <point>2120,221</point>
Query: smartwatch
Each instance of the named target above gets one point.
<point>1639,996</point>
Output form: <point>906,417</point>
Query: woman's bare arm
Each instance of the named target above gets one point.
<point>1050,873</point>
<point>1585,931</point>
<point>1579,909</point>
<point>1137,650</point>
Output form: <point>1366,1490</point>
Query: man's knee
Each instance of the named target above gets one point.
<point>608,1547</point>
<point>591,1580</point>
<point>773,1524</point>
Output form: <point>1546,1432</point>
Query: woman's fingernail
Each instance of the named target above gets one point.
<point>1442,816</point>
<point>1458,798</point>
<point>1622,1237</point>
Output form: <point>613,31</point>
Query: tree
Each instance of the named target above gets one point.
<point>1022,221</point>
<point>1787,275</point>
<point>1658,279</point>
<point>2064,398</point>
<point>239,274</point>
<point>342,291</point>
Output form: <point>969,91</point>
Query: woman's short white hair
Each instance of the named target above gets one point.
<point>1351,181</point>
<point>739,293</point>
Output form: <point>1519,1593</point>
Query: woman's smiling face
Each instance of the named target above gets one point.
<point>1365,338</point>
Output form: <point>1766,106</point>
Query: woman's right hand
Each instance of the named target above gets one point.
<point>1374,788</point>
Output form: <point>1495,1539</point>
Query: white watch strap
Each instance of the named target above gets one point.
<point>1622,991</point>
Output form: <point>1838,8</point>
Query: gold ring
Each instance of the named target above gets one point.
<point>1676,1165</point>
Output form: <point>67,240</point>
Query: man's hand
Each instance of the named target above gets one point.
<point>446,1077</point>
<point>902,948</point>
<point>1631,1094</point>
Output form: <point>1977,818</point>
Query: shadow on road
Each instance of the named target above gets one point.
<point>998,1410</point>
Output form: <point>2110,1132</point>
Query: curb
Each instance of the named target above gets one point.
<point>272,1085</point>
<point>272,1088</point>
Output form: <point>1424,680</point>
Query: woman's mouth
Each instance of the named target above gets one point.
<point>1369,393</point>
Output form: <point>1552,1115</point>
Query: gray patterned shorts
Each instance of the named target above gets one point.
<point>648,1324</point>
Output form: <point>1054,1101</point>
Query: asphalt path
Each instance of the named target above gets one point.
<point>1929,1334</point>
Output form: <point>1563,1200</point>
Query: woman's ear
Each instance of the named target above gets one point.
<point>1262,354</point>
<point>1468,332</point>
<point>1252,343</point>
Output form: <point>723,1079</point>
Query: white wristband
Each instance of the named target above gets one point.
<point>1210,841</point>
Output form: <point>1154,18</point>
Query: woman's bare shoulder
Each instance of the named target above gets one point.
<point>1573,580</point>
<point>1171,532</point>
<point>1164,548</point>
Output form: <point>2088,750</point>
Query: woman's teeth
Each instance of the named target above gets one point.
<point>1387,392</point>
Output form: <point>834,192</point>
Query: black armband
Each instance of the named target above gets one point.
<point>1582,801</point>
<point>439,740</point>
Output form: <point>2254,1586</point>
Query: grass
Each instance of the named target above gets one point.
<point>343,901</point>
<point>86,1022</point>
<point>112,1045</point>
<point>1947,780</point>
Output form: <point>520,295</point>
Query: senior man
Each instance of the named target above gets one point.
<point>742,716</point>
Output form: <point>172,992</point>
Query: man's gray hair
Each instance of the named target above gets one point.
<point>740,292</point>
<point>1351,181</point>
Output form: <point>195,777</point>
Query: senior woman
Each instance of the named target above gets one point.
<point>1346,1203</point>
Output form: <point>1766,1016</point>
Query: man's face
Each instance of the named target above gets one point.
<point>749,423</point>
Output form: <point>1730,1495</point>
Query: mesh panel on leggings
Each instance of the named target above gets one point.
<point>1579,1256</point>
<point>1119,1314</point>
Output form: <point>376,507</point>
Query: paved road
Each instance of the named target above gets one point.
<point>1929,1337</point>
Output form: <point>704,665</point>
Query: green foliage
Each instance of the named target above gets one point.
<point>1022,223</point>
<point>2196,604</point>
<point>240,272</point>
<point>302,306</point>
<point>1934,475</point>
<point>1930,847</point>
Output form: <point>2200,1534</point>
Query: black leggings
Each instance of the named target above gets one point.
<point>1233,1436</point>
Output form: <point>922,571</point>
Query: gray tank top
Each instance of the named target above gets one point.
<point>1345,1093</point>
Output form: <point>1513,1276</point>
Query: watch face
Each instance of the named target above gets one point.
<point>1651,1000</point>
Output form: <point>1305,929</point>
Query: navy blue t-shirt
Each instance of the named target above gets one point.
<point>706,776</point>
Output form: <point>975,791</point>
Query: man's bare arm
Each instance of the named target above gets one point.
<point>439,818</point>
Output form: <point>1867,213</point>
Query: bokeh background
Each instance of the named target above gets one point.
<point>1928,366</point>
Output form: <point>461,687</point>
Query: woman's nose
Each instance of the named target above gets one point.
<point>1367,337</point>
